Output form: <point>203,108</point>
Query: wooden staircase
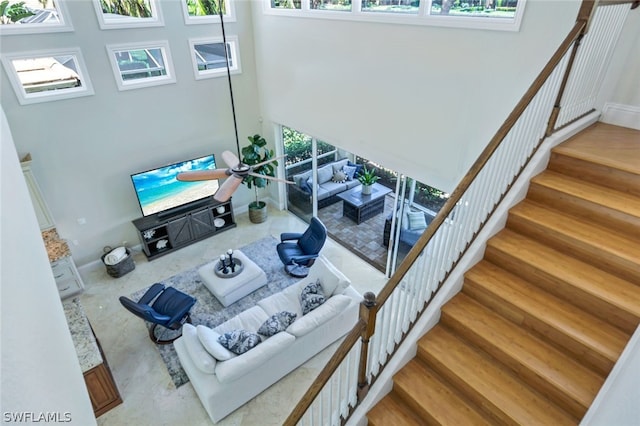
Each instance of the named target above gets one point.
<point>542,319</point>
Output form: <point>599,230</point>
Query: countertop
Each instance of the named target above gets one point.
<point>57,248</point>
<point>83,338</point>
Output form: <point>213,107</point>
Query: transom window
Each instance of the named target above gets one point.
<point>47,75</point>
<point>29,17</point>
<point>208,57</point>
<point>141,65</point>
<point>483,14</point>
<point>114,14</point>
<point>207,11</point>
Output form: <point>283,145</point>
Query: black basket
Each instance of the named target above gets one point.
<point>121,268</point>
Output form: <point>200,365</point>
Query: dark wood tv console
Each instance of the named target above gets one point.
<point>163,233</point>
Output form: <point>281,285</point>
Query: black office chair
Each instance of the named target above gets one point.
<point>170,309</point>
<point>299,251</point>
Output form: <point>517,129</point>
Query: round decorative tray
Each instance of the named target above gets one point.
<point>218,269</point>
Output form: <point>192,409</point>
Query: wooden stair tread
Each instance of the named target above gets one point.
<point>432,399</point>
<point>599,336</point>
<point>501,393</point>
<point>390,411</point>
<point>597,194</point>
<point>548,262</point>
<point>556,374</point>
<point>605,144</point>
<point>613,250</point>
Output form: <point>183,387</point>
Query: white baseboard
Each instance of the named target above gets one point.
<point>621,115</point>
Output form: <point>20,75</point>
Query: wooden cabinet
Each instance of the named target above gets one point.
<point>67,277</point>
<point>161,234</point>
<point>102,389</point>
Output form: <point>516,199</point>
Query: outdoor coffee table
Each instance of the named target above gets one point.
<point>359,207</point>
<point>230,290</point>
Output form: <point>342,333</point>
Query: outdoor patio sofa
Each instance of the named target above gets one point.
<point>411,227</point>
<point>329,184</point>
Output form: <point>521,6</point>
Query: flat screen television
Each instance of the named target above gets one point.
<point>159,191</point>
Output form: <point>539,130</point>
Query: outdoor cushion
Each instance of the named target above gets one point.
<point>416,220</point>
<point>325,173</point>
<point>338,165</point>
<point>333,188</point>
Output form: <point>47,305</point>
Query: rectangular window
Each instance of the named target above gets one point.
<point>334,5</point>
<point>47,75</point>
<point>141,65</point>
<point>114,14</point>
<point>208,57</point>
<point>207,11</point>
<point>391,6</point>
<point>484,8</point>
<point>286,4</point>
<point>20,17</point>
<point>503,15</point>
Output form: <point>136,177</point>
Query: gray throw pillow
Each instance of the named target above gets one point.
<point>276,323</point>
<point>311,297</point>
<point>339,177</point>
<point>239,341</point>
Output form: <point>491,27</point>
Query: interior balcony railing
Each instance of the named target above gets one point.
<point>564,91</point>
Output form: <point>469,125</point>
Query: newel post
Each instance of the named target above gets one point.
<point>368,311</point>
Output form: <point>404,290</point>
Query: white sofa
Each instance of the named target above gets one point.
<point>223,385</point>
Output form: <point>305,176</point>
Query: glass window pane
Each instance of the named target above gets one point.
<point>338,5</point>
<point>286,4</point>
<point>205,7</point>
<point>114,14</point>
<point>47,75</point>
<point>391,6</point>
<point>143,63</point>
<point>475,8</point>
<point>24,17</point>
<point>210,56</point>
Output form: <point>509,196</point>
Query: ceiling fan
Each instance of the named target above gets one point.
<point>236,170</point>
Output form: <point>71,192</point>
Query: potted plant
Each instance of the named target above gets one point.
<point>367,177</point>
<point>254,153</point>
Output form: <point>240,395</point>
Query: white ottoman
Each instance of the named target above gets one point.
<point>229,290</point>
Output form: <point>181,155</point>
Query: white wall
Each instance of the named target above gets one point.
<point>84,149</point>
<point>421,100</point>
<point>39,366</point>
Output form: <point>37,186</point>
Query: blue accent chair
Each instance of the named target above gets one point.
<point>170,309</point>
<point>299,251</point>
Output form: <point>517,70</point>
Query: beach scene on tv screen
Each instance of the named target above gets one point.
<point>159,190</point>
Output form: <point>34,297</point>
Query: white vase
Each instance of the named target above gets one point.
<point>366,189</point>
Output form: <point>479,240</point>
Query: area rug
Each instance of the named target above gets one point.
<point>208,310</point>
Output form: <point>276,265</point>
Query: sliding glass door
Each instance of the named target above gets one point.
<point>379,224</point>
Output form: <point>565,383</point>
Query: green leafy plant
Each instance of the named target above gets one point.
<point>14,12</point>
<point>254,153</point>
<point>367,176</point>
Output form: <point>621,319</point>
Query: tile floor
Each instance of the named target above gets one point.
<point>149,395</point>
